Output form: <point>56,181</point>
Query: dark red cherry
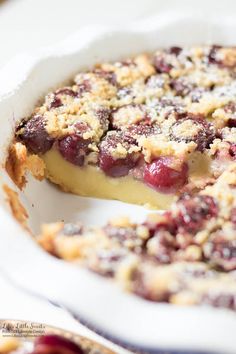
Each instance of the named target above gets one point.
<point>35,136</point>
<point>193,211</point>
<point>193,128</point>
<point>230,108</point>
<point>160,175</point>
<point>144,129</point>
<point>84,87</point>
<point>161,65</point>
<point>74,148</point>
<point>232,150</point>
<point>175,50</point>
<point>115,167</point>
<point>212,56</point>
<point>55,103</point>
<point>112,166</point>
<point>67,92</point>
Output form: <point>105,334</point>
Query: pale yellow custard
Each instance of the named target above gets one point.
<point>90,181</point>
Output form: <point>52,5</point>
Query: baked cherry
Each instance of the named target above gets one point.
<point>74,148</point>
<point>115,167</point>
<point>193,211</point>
<point>213,55</point>
<point>165,224</point>
<point>56,102</point>
<point>35,136</point>
<point>161,64</point>
<point>55,344</point>
<point>67,92</point>
<point>110,76</point>
<point>120,166</point>
<point>232,150</point>
<point>160,175</point>
<point>145,129</point>
<point>193,128</point>
<point>181,87</point>
<point>230,108</point>
<point>221,252</point>
<point>83,87</point>
<point>175,50</point>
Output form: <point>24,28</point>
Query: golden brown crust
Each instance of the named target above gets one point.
<point>19,162</point>
<point>17,209</point>
<point>15,164</point>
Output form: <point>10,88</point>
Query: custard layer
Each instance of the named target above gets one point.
<point>90,181</point>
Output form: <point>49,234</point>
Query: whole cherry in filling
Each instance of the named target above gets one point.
<point>74,147</point>
<point>161,175</point>
<point>35,136</point>
<point>55,344</point>
<point>113,164</point>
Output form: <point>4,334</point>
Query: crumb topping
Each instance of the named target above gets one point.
<point>150,89</point>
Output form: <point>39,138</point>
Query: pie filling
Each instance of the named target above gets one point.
<point>146,130</point>
<point>90,181</point>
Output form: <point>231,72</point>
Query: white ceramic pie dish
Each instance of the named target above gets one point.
<point>98,302</point>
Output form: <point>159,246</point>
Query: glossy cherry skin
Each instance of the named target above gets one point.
<point>161,176</point>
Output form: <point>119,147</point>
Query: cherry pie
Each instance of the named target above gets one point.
<point>159,130</point>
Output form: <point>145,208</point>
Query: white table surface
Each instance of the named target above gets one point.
<point>29,24</point>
